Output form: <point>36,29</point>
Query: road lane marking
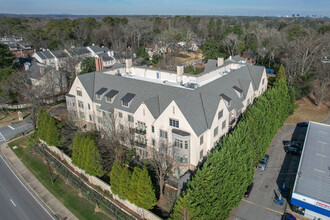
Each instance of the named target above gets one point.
<point>9,126</point>
<point>269,209</point>
<point>13,202</point>
<point>28,189</point>
<point>2,138</point>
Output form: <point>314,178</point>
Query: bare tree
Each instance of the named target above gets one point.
<point>321,85</point>
<point>231,42</point>
<point>140,30</point>
<point>80,31</point>
<point>116,140</point>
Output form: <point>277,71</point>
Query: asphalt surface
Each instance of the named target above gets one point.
<point>7,132</point>
<point>16,202</point>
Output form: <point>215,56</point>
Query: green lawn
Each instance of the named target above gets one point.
<point>65,193</point>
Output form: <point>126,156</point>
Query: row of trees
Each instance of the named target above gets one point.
<point>47,128</point>
<point>218,186</point>
<point>86,155</point>
<point>135,187</point>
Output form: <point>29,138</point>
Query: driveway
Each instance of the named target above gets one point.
<point>281,168</point>
<point>7,132</point>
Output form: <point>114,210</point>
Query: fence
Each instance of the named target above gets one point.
<point>104,203</point>
<point>27,105</point>
<point>140,212</point>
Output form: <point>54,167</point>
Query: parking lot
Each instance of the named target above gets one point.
<point>281,168</point>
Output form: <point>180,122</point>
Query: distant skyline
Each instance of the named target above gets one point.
<point>167,7</point>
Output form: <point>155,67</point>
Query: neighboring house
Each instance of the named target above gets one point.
<point>155,49</point>
<point>193,45</point>
<point>97,50</point>
<point>250,57</point>
<point>17,46</point>
<point>190,112</point>
<point>237,59</point>
<point>50,81</point>
<point>79,52</point>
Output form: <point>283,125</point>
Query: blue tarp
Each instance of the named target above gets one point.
<point>270,71</point>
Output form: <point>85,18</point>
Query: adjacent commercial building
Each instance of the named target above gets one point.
<point>311,192</point>
<point>189,112</point>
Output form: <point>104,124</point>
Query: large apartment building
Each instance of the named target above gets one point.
<point>190,112</point>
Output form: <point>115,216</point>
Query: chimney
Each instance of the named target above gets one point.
<point>99,63</point>
<point>220,61</point>
<point>128,63</point>
<point>179,70</point>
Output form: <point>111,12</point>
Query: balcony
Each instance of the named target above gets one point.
<point>140,144</point>
<point>140,131</point>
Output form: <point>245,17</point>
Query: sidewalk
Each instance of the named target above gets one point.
<point>55,206</point>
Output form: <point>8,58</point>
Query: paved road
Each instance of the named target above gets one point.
<point>16,202</point>
<point>7,132</point>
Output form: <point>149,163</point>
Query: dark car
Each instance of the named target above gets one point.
<point>248,191</point>
<point>288,217</point>
<point>293,150</point>
<point>293,144</point>
<point>265,158</point>
<point>302,124</point>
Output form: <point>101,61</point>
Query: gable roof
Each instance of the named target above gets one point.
<point>198,105</point>
<point>97,49</point>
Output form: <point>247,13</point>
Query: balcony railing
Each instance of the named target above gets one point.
<point>139,144</point>
<point>140,131</point>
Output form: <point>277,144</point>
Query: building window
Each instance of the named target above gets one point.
<point>215,133</point>
<point>153,142</point>
<point>79,93</point>
<point>173,110</point>
<point>263,81</point>
<point>178,143</point>
<point>201,140</point>
<point>152,129</point>
<point>121,127</point>
<point>144,112</point>
<point>224,124</point>
<point>80,104</point>
<point>82,115</point>
<point>98,97</point>
<point>163,134</point>
<point>89,106</point>
<point>90,118</point>
<point>108,99</point>
<point>174,123</point>
<point>157,75</point>
<point>220,114</point>
<point>141,126</point>
<point>185,159</point>
<point>201,154</point>
<point>186,145</point>
<point>120,115</point>
<point>130,118</point>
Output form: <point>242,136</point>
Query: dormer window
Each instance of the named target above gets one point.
<point>100,93</point>
<point>110,96</point>
<point>226,99</point>
<point>127,99</point>
<point>238,91</point>
<point>79,92</point>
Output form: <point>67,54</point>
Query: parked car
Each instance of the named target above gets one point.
<point>248,191</point>
<point>293,150</point>
<point>302,124</point>
<point>292,144</point>
<point>287,216</point>
<point>263,163</point>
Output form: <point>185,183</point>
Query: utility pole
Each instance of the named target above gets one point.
<point>50,172</point>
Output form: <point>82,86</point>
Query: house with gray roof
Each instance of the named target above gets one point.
<point>191,113</point>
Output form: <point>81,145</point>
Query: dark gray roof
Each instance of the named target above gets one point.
<point>313,175</point>
<point>128,97</point>
<point>101,91</point>
<point>59,54</point>
<point>78,51</point>
<point>111,94</point>
<point>48,55</point>
<point>97,49</point>
<point>238,58</point>
<point>180,132</point>
<point>197,105</point>
<point>211,66</point>
<point>105,56</point>
<point>41,55</point>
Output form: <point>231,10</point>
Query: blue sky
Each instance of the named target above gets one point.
<point>167,7</point>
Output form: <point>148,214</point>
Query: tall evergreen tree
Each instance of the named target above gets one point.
<point>132,197</point>
<point>115,177</point>
<point>281,74</point>
<point>124,181</point>
<point>52,133</point>
<point>93,160</point>
<point>146,197</point>
<point>76,150</point>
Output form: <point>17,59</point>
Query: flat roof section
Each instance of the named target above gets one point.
<point>313,175</point>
